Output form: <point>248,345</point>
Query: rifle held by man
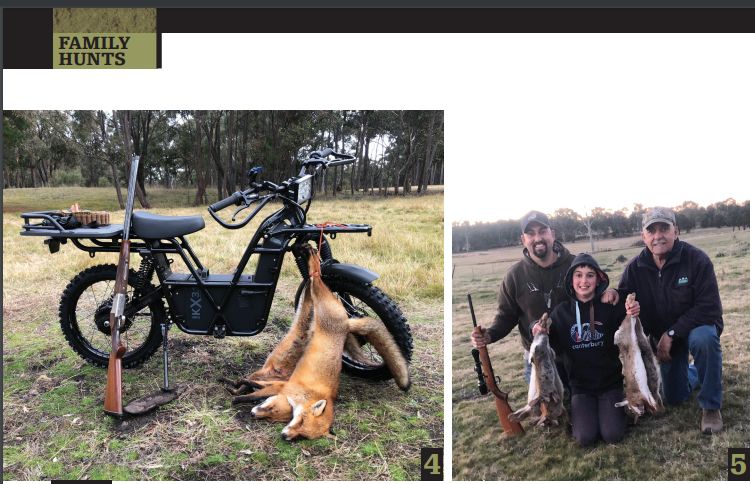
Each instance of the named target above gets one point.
<point>113,390</point>
<point>487,381</point>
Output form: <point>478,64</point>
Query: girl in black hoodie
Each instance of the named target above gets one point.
<point>582,334</point>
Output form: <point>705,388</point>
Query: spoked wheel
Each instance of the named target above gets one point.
<point>85,318</point>
<point>360,358</point>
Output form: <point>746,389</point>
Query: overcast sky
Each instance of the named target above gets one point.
<point>587,121</point>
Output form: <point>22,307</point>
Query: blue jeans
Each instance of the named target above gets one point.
<point>680,378</point>
<point>596,416</point>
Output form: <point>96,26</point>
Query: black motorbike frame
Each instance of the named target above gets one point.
<point>285,230</point>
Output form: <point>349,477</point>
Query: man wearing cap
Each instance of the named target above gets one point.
<point>681,310</point>
<point>532,286</point>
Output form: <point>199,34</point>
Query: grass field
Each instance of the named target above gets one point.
<point>53,424</point>
<point>666,447</point>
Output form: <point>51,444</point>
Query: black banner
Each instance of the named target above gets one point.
<point>28,32</point>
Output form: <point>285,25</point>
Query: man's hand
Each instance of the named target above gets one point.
<point>538,329</point>
<point>610,296</point>
<point>664,348</point>
<point>480,338</point>
<point>633,310</point>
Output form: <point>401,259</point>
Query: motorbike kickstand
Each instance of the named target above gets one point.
<point>166,385</point>
<point>165,395</point>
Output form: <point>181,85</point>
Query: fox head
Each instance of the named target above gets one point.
<point>275,409</point>
<point>312,419</point>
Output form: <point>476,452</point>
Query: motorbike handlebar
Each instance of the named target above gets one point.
<point>319,158</point>
<point>322,153</point>
<point>235,199</point>
<point>343,160</point>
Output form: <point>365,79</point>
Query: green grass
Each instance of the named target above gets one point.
<point>665,447</point>
<point>54,427</point>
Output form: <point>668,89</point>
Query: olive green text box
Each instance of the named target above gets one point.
<point>120,50</point>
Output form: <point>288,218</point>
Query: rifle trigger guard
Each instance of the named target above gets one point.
<point>91,254</point>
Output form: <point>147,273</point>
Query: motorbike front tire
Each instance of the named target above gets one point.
<point>87,298</point>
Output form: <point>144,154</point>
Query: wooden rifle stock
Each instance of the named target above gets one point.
<point>501,398</point>
<point>113,397</point>
<point>113,390</point>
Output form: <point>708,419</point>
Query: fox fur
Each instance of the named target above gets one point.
<point>283,359</point>
<point>545,399</point>
<point>308,395</point>
<point>642,375</point>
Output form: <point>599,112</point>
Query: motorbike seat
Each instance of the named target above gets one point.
<point>151,226</point>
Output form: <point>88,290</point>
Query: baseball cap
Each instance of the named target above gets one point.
<point>658,214</point>
<point>535,216</point>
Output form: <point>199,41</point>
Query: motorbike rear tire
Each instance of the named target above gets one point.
<point>81,338</point>
<point>360,300</point>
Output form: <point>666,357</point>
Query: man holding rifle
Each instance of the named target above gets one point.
<point>531,287</point>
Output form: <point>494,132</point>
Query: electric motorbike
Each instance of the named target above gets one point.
<point>199,302</point>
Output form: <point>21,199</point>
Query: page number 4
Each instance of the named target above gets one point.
<point>432,464</point>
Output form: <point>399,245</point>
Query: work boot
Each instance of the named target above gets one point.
<point>712,421</point>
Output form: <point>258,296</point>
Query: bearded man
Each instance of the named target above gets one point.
<point>532,286</point>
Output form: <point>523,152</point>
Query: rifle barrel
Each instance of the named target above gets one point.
<point>113,389</point>
<point>471,309</point>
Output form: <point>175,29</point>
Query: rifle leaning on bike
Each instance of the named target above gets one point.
<point>114,388</point>
<point>487,382</point>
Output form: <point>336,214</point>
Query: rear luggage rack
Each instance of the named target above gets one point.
<point>52,223</point>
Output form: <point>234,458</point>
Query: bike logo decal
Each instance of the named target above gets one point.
<point>196,303</point>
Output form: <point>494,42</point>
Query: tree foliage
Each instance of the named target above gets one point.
<point>571,226</point>
<point>396,151</point>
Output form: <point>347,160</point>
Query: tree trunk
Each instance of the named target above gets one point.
<point>125,123</point>
<point>111,161</point>
<point>359,154</point>
<point>140,133</point>
<point>437,139</point>
<point>426,161</point>
<point>200,163</point>
<point>588,224</point>
<point>366,161</point>
<point>230,136</point>
<point>212,132</point>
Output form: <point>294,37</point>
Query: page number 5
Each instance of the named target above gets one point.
<point>739,464</point>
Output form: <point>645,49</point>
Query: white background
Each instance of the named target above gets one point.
<point>534,121</point>
<point>531,121</point>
